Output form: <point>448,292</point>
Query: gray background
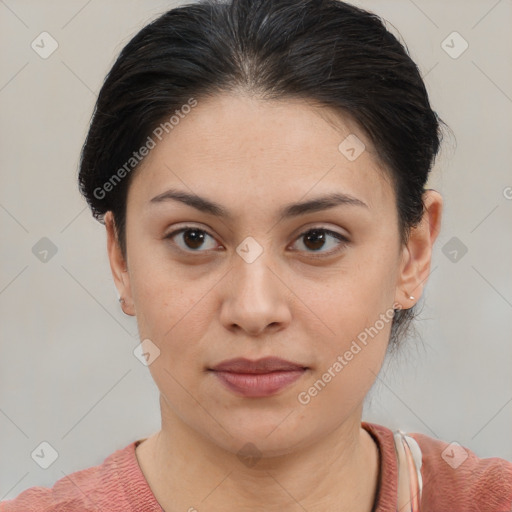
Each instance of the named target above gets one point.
<point>67,372</point>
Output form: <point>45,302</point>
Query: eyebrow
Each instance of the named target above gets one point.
<point>288,211</point>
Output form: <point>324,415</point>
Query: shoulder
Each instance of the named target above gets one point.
<point>90,489</point>
<point>453,477</point>
<point>456,479</point>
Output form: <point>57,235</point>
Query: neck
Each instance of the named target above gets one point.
<point>187,471</point>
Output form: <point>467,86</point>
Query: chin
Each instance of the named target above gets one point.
<point>274,435</point>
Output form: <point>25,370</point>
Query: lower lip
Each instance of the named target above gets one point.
<point>259,384</point>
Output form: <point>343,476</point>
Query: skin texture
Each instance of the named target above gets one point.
<point>253,157</point>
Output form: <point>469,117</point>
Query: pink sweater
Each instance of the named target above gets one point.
<point>118,485</point>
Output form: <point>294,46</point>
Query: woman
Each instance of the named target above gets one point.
<point>260,167</point>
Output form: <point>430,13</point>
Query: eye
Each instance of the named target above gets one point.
<point>191,238</point>
<point>318,238</point>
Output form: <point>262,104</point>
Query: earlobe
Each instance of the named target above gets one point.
<point>118,266</point>
<point>417,254</point>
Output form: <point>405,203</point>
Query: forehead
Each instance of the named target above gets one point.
<point>240,150</point>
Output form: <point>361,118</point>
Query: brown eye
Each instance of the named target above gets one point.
<point>316,239</point>
<point>191,239</point>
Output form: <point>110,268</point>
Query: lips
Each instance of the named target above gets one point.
<point>264,365</point>
<point>257,379</point>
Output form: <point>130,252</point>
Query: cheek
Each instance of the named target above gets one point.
<point>348,360</point>
<point>359,329</point>
<point>353,309</point>
<point>374,274</point>
<point>176,321</point>
<point>355,292</point>
<point>173,311</point>
<point>342,384</point>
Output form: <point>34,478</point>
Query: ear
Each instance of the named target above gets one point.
<point>118,265</point>
<point>417,254</point>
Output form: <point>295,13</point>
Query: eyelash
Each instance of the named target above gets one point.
<point>343,240</point>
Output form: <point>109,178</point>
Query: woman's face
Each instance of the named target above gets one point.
<point>251,283</point>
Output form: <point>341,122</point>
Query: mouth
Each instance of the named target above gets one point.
<point>260,378</point>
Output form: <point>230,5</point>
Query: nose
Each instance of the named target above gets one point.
<point>255,300</point>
